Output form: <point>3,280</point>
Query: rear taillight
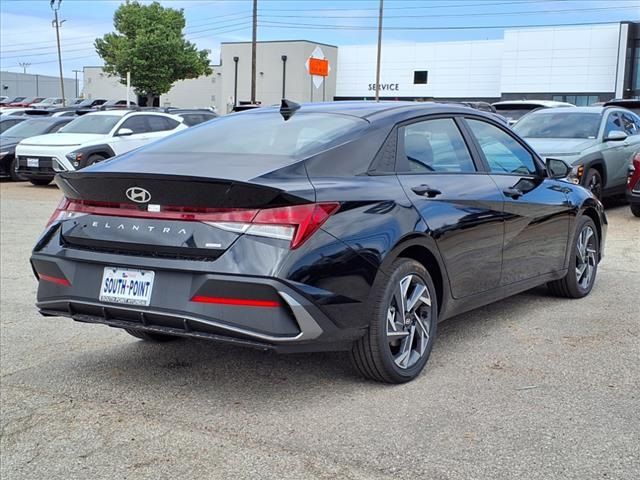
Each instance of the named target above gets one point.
<point>294,223</point>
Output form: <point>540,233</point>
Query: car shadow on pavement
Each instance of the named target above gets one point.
<point>207,368</point>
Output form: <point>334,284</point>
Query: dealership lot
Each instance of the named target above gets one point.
<point>530,387</point>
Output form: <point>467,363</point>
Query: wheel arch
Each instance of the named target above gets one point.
<point>103,150</point>
<point>597,162</point>
<point>423,250</point>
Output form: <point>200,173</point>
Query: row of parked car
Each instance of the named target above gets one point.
<point>601,142</point>
<point>36,147</point>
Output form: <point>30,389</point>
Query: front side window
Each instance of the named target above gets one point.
<point>613,123</point>
<point>630,123</point>
<point>504,153</point>
<point>435,146</point>
<point>97,124</point>
<point>136,123</point>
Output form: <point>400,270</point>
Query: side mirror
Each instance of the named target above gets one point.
<point>615,136</point>
<point>557,168</point>
<point>124,132</point>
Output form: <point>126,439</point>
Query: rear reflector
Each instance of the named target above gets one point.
<point>238,302</point>
<point>295,223</point>
<point>59,281</point>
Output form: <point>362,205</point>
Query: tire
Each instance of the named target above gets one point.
<point>40,181</point>
<point>15,176</point>
<point>593,182</point>
<point>576,284</point>
<point>95,158</point>
<point>381,354</point>
<point>150,336</point>
<point>635,209</point>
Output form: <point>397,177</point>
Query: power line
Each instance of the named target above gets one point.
<point>463,27</point>
<point>481,14</point>
<point>187,27</point>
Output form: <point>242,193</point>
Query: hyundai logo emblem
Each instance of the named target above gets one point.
<point>138,195</point>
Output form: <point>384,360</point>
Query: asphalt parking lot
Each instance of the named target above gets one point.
<point>532,387</point>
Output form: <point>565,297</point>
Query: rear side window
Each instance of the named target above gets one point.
<point>160,124</point>
<point>434,146</point>
<point>264,133</point>
<point>503,152</point>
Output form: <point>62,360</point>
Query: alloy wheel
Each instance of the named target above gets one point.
<point>586,258</point>
<point>409,318</point>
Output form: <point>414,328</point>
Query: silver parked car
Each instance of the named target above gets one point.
<point>598,142</point>
<point>514,110</point>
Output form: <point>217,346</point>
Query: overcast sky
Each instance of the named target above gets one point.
<point>26,34</point>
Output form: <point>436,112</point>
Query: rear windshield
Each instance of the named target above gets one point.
<point>559,123</point>
<point>101,124</point>
<point>27,128</point>
<point>264,133</point>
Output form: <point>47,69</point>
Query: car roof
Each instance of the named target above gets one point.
<point>542,103</point>
<point>371,109</point>
<point>592,109</point>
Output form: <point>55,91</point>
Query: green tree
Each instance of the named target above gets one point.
<point>149,43</point>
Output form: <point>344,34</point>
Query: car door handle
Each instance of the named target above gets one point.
<point>513,193</point>
<point>426,191</point>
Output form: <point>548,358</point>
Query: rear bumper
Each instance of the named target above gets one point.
<point>295,325</point>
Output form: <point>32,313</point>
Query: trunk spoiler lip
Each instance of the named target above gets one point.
<point>68,181</point>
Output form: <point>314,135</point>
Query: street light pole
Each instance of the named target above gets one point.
<point>284,74</point>
<point>77,89</point>
<point>379,51</point>
<point>24,66</point>
<point>253,51</point>
<point>235,82</point>
<point>56,24</point>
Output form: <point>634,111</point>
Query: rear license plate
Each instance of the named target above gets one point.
<point>33,162</point>
<point>132,287</point>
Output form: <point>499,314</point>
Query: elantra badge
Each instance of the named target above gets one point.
<point>138,194</point>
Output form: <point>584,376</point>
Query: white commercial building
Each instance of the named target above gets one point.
<point>581,64</point>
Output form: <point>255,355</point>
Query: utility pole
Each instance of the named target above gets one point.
<point>24,66</point>
<point>379,51</point>
<point>56,24</point>
<point>77,89</point>
<point>253,51</point>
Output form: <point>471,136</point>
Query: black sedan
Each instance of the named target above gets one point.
<point>30,127</point>
<point>342,226</point>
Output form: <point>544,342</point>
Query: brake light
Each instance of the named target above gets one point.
<point>295,223</point>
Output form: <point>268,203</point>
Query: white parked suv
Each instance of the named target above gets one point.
<point>91,138</point>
